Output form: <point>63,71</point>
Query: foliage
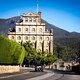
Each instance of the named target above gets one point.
<point>37,58</point>
<point>11,52</point>
<point>50,58</point>
<point>30,53</point>
<point>66,52</point>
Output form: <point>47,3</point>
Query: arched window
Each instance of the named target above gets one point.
<point>40,38</point>
<point>19,42</point>
<point>19,37</point>
<point>26,29</point>
<point>46,50</point>
<point>19,29</point>
<point>39,49</point>
<point>33,44</point>
<point>30,20</point>
<point>26,38</point>
<point>26,20</point>
<point>33,29</point>
<point>47,38</point>
<point>33,38</point>
<point>40,44</point>
<point>47,44</point>
<point>34,20</point>
<point>40,30</point>
<point>13,37</point>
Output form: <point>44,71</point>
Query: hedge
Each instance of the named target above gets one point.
<point>11,52</point>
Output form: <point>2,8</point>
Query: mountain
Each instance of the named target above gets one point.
<point>60,36</point>
<point>5,24</point>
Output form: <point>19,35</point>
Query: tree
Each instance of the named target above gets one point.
<point>50,58</point>
<point>78,50</point>
<point>34,57</point>
<point>30,53</point>
<point>59,50</point>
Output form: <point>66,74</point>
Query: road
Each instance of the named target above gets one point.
<point>50,75</point>
<point>23,75</point>
<point>61,75</point>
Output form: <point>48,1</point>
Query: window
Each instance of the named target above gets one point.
<point>47,44</point>
<point>34,20</point>
<point>26,20</point>
<point>33,38</point>
<point>39,49</point>
<point>33,44</point>
<point>30,20</point>
<point>40,38</point>
<point>19,42</point>
<point>26,38</point>
<point>33,29</point>
<point>19,37</point>
<point>13,37</point>
<point>19,29</point>
<point>47,38</point>
<point>26,29</point>
<point>40,30</point>
<point>46,50</point>
<point>40,44</point>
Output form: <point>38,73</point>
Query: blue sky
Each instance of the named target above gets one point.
<point>64,14</point>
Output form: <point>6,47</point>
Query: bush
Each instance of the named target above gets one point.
<point>11,52</point>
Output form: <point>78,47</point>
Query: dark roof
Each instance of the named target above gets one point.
<point>12,30</point>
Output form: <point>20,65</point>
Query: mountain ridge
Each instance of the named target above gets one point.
<point>60,35</point>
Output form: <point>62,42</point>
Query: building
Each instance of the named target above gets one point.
<point>30,28</point>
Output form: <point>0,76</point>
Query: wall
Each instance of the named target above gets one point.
<point>9,69</point>
<point>67,66</point>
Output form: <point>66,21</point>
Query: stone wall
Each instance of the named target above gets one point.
<point>9,69</point>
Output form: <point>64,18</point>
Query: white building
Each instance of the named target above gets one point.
<point>30,28</point>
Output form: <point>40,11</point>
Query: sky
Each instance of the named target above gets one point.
<point>64,14</point>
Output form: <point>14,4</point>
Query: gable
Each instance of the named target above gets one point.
<point>29,14</point>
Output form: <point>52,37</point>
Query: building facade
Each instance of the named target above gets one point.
<point>30,28</point>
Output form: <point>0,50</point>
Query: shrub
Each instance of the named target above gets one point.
<point>11,52</point>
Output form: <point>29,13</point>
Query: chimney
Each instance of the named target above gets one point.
<point>39,18</point>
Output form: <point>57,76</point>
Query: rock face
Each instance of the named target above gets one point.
<point>9,69</point>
